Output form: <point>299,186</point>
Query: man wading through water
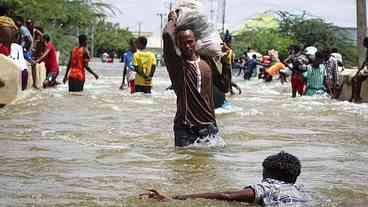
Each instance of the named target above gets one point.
<point>192,83</point>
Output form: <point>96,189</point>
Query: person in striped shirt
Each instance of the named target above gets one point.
<point>315,76</point>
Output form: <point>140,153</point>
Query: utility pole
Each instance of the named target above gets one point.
<point>171,5</point>
<point>161,15</point>
<point>139,28</point>
<point>212,12</point>
<point>223,16</point>
<point>362,27</point>
<point>93,39</point>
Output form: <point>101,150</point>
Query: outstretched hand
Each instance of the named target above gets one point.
<point>154,194</point>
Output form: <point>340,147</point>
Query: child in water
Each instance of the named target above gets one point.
<point>280,172</point>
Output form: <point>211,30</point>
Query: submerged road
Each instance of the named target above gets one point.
<point>103,147</point>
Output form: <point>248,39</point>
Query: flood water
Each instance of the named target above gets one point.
<point>104,147</point>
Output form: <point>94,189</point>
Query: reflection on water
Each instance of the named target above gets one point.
<point>105,146</point>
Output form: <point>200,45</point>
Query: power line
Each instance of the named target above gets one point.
<point>362,27</point>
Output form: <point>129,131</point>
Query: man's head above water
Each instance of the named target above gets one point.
<point>282,166</point>
<point>186,42</point>
<point>141,43</point>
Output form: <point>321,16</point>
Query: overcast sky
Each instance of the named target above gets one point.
<point>339,12</point>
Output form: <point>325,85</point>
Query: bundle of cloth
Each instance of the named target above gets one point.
<point>191,16</point>
<point>7,22</point>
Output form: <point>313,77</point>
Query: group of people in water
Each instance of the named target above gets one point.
<point>193,82</point>
<point>139,66</point>
<point>199,86</point>
<point>27,45</point>
<point>311,71</point>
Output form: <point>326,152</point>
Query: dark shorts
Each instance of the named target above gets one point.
<point>75,85</point>
<point>219,97</point>
<point>188,136</point>
<point>298,84</point>
<point>143,89</point>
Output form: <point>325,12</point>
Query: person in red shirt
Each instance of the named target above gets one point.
<point>8,30</point>
<point>78,63</point>
<point>49,57</point>
<point>5,50</point>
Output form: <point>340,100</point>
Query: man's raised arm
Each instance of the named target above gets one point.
<point>170,56</point>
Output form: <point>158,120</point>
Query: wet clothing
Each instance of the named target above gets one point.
<point>50,60</point>
<point>358,80</point>
<point>143,89</point>
<point>230,56</point>
<point>218,97</point>
<point>193,85</point>
<point>297,83</point>
<point>315,80</point>
<point>298,66</point>
<point>188,136</point>
<point>221,81</point>
<point>339,59</point>
<point>5,50</point>
<point>275,69</point>
<point>77,67</point>
<point>25,38</point>
<point>143,62</point>
<point>75,85</point>
<point>77,73</point>
<point>252,66</point>
<point>333,77</point>
<point>128,60</point>
<point>272,193</point>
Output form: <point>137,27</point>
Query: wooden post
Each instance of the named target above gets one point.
<point>362,28</point>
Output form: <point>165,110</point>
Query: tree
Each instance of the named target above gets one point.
<point>263,40</point>
<point>64,20</point>
<point>261,33</point>
<point>312,31</point>
<point>300,29</point>
<point>111,37</point>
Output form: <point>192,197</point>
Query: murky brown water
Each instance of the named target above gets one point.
<point>105,147</point>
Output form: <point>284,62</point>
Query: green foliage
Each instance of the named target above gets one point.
<point>309,31</point>
<point>261,22</point>
<point>64,20</point>
<point>263,40</point>
<point>294,29</point>
<point>110,36</point>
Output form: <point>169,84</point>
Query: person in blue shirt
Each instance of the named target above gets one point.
<point>251,67</point>
<point>127,58</point>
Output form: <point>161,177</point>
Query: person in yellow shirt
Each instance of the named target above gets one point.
<point>144,63</point>
<point>230,60</point>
